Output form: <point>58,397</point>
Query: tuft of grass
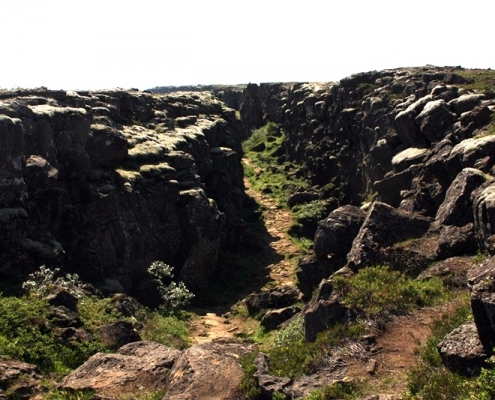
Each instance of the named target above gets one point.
<point>377,291</point>
<point>170,330</point>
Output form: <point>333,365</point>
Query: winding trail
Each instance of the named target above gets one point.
<point>277,260</point>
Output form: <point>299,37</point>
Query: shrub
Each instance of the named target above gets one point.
<point>170,330</point>
<point>175,296</point>
<point>25,334</point>
<point>40,281</point>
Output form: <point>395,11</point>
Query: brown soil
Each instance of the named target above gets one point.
<point>396,351</point>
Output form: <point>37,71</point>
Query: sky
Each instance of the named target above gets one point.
<point>103,44</point>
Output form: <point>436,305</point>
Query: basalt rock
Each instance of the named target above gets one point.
<point>462,351</point>
<point>384,226</point>
<point>104,183</point>
<point>135,367</point>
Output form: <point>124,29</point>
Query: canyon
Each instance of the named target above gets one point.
<point>400,163</point>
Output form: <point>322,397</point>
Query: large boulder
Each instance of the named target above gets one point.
<point>322,313</point>
<point>135,367</point>
<point>207,371</point>
<point>384,226</point>
<point>462,351</point>
<point>484,216</point>
<point>457,208</point>
<point>434,120</point>
<point>276,297</point>
<point>336,233</point>
<point>481,281</point>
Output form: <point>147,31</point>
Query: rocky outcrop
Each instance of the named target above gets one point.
<point>149,367</point>
<point>192,376</point>
<point>415,140</point>
<point>20,380</point>
<point>104,183</point>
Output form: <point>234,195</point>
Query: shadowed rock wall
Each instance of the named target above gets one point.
<point>103,183</point>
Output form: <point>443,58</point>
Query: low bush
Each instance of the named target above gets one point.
<point>175,296</point>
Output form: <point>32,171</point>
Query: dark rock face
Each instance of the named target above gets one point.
<point>273,318</point>
<point>383,227</point>
<point>321,314</point>
<point>277,297</point>
<point>481,281</point>
<point>104,183</point>
<point>411,138</point>
<point>336,233</point>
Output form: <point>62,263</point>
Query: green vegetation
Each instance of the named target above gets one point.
<point>175,296</point>
<point>343,390</point>
<point>480,80</point>
<point>27,333</point>
<point>268,173</point>
<point>170,330</point>
<point>430,379</point>
<point>248,387</point>
<point>377,292</point>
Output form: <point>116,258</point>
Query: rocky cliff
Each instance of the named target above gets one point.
<point>416,141</point>
<point>103,183</point>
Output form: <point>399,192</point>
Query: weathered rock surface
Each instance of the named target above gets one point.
<point>104,183</point>
<point>481,281</point>
<point>462,351</point>
<point>136,366</point>
<point>276,297</point>
<point>20,379</point>
<point>384,226</point>
<point>207,371</point>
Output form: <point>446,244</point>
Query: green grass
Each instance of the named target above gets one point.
<point>169,330</point>
<point>480,80</point>
<point>270,174</point>
<point>376,292</point>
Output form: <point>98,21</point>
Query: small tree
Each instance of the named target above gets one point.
<point>175,295</point>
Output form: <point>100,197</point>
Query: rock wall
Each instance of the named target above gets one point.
<point>104,183</point>
<point>416,139</point>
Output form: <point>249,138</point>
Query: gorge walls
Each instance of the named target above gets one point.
<point>104,183</point>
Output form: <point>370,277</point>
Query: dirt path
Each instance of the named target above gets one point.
<point>277,259</point>
<point>397,346</point>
